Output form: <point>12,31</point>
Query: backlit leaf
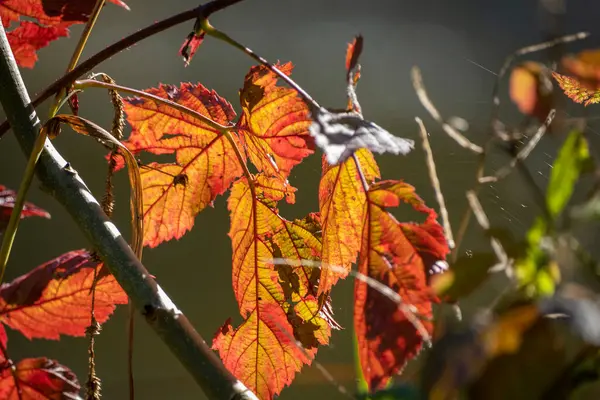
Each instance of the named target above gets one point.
<point>531,89</point>
<point>276,298</point>
<point>584,66</point>
<point>206,165</point>
<point>398,255</point>
<point>274,124</point>
<point>342,201</point>
<point>262,352</point>
<point>54,299</point>
<point>576,91</point>
<point>29,37</point>
<point>572,160</point>
<point>52,19</point>
<point>37,379</point>
<point>7,203</point>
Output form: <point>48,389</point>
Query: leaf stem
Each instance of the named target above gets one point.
<point>214,32</point>
<point>90,83</point>
<point>85,35</point>
<point>103,55</point>
<point>13,224</point>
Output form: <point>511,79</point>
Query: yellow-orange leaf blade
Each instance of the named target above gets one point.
<point>275,122</point>
<point>398,255</point>
<point>342,202</point>
<point>262,352</point>
<point>206,164</point>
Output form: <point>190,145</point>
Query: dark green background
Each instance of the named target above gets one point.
<point>438,35</point>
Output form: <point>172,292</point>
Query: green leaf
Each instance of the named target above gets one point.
<point>573,159</point>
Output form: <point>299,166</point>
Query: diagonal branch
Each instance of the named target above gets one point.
<point>62,182</point>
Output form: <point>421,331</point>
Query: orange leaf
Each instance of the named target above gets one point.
<point>397,255</point>
<point>37,379</point>
<point>577,91</point>
<point>52,17</point>
<point>274,124</point>
<point>54,299</point>
<point>262,352</point>
<point>531,89</point>
<point>585,66</point>
<point>277,297</point>
<point>204,157</point>
<point>342,204</point>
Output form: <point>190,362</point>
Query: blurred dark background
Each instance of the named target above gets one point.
<point>459,45</point>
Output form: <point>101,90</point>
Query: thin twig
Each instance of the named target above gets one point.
<point>523,153</point>
<point>435,182</point>
<point>482,219</point>
<point>85,35</point>
<point>65,185</point>
<point>466,217</point>
<point>151,30</point>
<point>417,81</point>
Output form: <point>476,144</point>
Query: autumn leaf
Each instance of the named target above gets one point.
<point>531,88</point>
<point>29,37</point>
<point>7,203</point>
<point>277,299</point>
<point>398,255</point>
<point>54,299</point>
<point>274,124</point>
<point>576,90</point>
<point>342,202</point>
<point>206,164</point>
<point>352,55</point>
<point>262,352</point>
<point>585,66</point>
<point>52,19</point>
<point>37,379</point>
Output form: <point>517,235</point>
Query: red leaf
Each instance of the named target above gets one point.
<point>7,203</point>
<point>54,299</point>
<point>29,37</point>
<point>397,255</point>
<point>37,379</point>
<point>190,46</point>
<point>274,124</point>
<point>52,18</point>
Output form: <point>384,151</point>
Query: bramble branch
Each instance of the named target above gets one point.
<point>152,29</point>
<point>65,185</point>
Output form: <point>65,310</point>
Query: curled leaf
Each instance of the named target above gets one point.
<point>339,135</point>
